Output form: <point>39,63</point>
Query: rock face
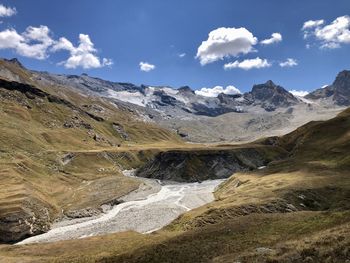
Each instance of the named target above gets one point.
<point>15,61</point>
<point>271,96</point>
<point>200,165</point>
<point>174,102</point>
<point>321,93</point>
<point>184,102</point>
<point>339,91</point>
<point>32,218</point>
<point>341,88</point>
<point>120,130</point>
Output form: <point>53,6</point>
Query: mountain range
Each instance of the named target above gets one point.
<point>268,109</point>
<point>66,142</point>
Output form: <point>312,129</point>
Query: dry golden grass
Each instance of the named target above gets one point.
<point>36,135</point>
<point>252,210</point>
<point>228,241</point>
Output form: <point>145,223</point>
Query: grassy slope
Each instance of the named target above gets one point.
<point>253,218</point>
<point>252,209</point>
<point>34,142</point>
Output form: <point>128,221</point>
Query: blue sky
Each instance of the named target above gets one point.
<point>158,31</point>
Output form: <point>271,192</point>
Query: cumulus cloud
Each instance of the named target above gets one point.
<point>146,67</point>
<point>312,24</point>
<point>84,55</point>
<point>330,36</point>
<point>33,42</point>
<point>36,42</point>
<point>182,55</point>
<point>275,38</point>
<point>215,91</point>
<point>248,64</point>
<point>290,62</point>
<point>299,93</point>
<point>225,42</point>
<point>7,11</point>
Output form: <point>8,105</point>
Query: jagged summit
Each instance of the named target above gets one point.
<point>270,83</point>
<point>338,92</point>
<point>341,87</point>
<point>186,89</point>
<point>271,96</point>
<point>14,61</point>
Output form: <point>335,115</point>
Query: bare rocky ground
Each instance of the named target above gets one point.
<point>249,126</point>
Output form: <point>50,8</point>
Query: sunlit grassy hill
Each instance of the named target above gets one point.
<point>58,148</point>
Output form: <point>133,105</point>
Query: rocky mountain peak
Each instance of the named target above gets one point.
<point>270,83</point>
<point>271,96</point>
<point>227,97</point>
<point>268,89</point>
<point>342,80</point>
<point>15,61</point>
<point>341,87</point>
<point>339,91</point>
<point>185,89</point>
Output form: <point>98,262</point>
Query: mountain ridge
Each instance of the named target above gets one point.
<point>338,92</point>
<point>268,109</point>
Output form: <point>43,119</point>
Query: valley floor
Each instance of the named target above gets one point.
<point>295,209</point>
<point>145,210</point>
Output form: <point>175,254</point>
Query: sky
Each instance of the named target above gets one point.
<point>300,45</point>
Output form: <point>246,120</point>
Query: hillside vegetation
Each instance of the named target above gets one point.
<point>294,210</point>
<point>61,151</point>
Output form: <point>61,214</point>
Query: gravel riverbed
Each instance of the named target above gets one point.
<point>151,207</point>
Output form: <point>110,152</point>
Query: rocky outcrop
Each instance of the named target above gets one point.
<point>271,96</point>
<point>321,93</point>
<point>32,218</point>
<point>164,99</point>
<point>339,91</point>
<point>121,131</point>
<point>341,87</point>
<point>200,165</point>
<point>186,90</point>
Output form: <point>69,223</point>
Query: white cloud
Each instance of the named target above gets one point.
<point>275,38</point>
<point>36,42</point>
<point>330,36</point>
<point>84,55</point>
<point>144,66</point>
<point>299,93</point>
<point>215,91</point>
<point>182,55</point>
<point>32,43</point>
<point>107,62</point>
<point>248,64</point>
<point>225,42</point>
<point>312,24</point>
<point>9,38</point>
<point>290,62</point>
<point>7,11</point>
